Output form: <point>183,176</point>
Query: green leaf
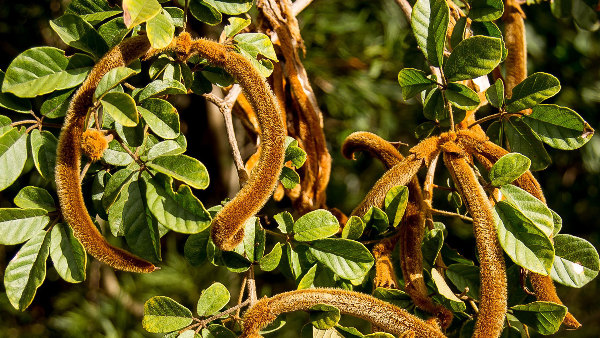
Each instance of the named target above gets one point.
<point>112,78</point>
<point>285,222</point>
<point>473,57</point>
<point>231,7</point>
<point>235,26</point>
<point>13,154</point>
<point>323,316</point>
<point>495,94</point>
<point>19,225</point>
<point>167,148</point>
<point>448,296</point>
<point>176,14</point>
<point>212,299</point>
<point>294,153</point>
<point>78,33</point>
<point>465,276</point>
<point>458,33</point>
<point>67,253</point>
<point>393,296</point>
<point>27,271</point>
<point>314,225</point>
<point>121,107</point>
<point>42,70</point>
<point>254,239</point>
<point>131,136</point>
<point>289,178</point>
<point>559,127</point>
<point>235,262</point>
<point>163,314</point>
<point>434,107</point>
<point>160,88</point>
<point>271,260</point>
<point>113,31</point>
<point>486,10</point>
<point>263,66</point>
<point>255,44</point>
<point>184,168</point>
<point>433,240</point>
<point>488,28</point>
<point>544,317</point>
<point>161,116</point>
<point>217,331</point>
<point>425,130</point>
<point>83,7</point>
<point>98,186</point>
<point>576,261</point>
<point>180,211</point>
<point>413,82</point>
<point>377,219</point>
<point>12,102</point>
<point>522,241</point>
<point>530,206</point>
<point>354,228</point>
<point>115,185</point>
<point>347,259</point>
<point>194,249</point>
<point>429,22</point>
<point>31,197</point>
<point>557,223</point>
<point>522,140</point>
<point>462,96</point>
<point>57,103</point>
<point>205,12</point>
<point>308,280</point>
<point>43,150</point>
<point>508,168</point>
<point>396,201</point>
<point>160,30</point>
<point>96,18</point>
<point>534,89</point>
<point>136,12</point>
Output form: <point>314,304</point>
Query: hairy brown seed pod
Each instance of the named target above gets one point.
<point>493,294</point>
<point>385,315</point>
<point>93,144</point>
<point>515,40</point>
<point>374,145</point>
<point>68,162</point>
<point>385,275</point>
<point>227,229</point>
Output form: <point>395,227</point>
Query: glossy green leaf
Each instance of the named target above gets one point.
<point>31,197</point>
<point>217,331</point>
<point>205,12</point>
<point>27,270</point>
<point>254,239</point>
<point>112,78</point>
<point>160,30</point>
<point>434,107</point>
<point>167,148</point>
<point>67,253</point>
<point>486,10</point>
<point>42,70</point>
<point>448,296</point>
<point>271,260</point>
<point>231,7</point>
<point>433,240</point>
<point>425,130</point>
<point>462,96</point>
<point>285,222</point>
<point>57,103</point>
<point>12,102</point>
<point>96,18</point>
<point>508,168</point>
<point>395,203</point>
<point>353,228</point>
<point>530,206</point>
<point>393,296</point>
<point>458,32</point>
<point>255,44</point>
<point>179,211</point>
<point>235,262</point>
<point>465,276</point>
<point>19,225</point>
<point>544,317</point>
<point>161,116</point>
<point>294,153</point>
<point>43,150</point>
<point>163,314</point>
<point>160,88</point>
<point>576,261</point>
<point>289,178</point>
<point>176,14</point>
<point>121,107</point>
<point>473,57</point>
<point>323,316</point>
<point>522,241</point>
<point>235,26</point>
<point>116,184</point>
<point>314,225</point>
<point>377,219</point>
<point>194,249</point>
<point>13,155</point>
<point>429,22</point>
<point>413,82</point>
<point>488,28</point>
<point>347,259</point>
<point>78,33</point>
<point>559,127</point>
<point>534,89</point>
<point>212,299</point>
<point>184,168</point>
<point>308,280</point>
<point>113,31</point>
<point>495,94</point>
<point>136,12</point>
<point>522,140</point>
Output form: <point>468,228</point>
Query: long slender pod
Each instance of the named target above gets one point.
<point>381,314</point>
<point>68,162</point>
<point>487,153</point>
<point>227,228</point>
<point>374,145</point>
<point>493,294</point>
<point>515,40</point>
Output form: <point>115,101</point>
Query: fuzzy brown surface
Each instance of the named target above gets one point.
<point>68,162</point>
<point>93,144</point>
<point>373,144</point>
<point>384,315</point>
<point>515,41</point>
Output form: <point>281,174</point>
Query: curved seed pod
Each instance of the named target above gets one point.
<point>514,38</point>
<point>385,276</point>
<point>385,315</point>
<point>374,145</point>
<point>493,294</point>
<point>68,162</point>
<point>487,153</point>
<point>227,228</point>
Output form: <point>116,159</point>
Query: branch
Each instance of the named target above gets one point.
<point>299,5</point>
<point>405,6</point>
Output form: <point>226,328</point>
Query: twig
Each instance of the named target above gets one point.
<point>251,286</point>
<point>18,123</point>
<point>451,214</point>
<point>405,6</point>
<point>84,171</point>
<point>224,313</point>
<point>441,187</point>
<point>428,183</point>
<point>241,296</point>
<point>493,116</point>
<point>299,5</point>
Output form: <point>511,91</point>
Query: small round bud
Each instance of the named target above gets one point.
<point>93,144</point>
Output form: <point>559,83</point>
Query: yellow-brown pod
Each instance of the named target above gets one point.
<point>493,293</point>
<point>69,155</point>
<point>515,41</point>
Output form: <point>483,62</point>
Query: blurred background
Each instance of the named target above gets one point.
<point>355,50</point>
